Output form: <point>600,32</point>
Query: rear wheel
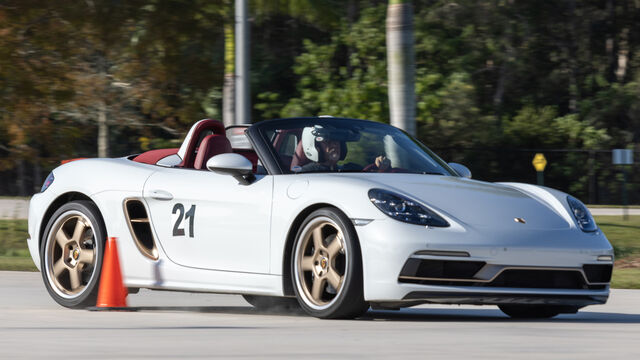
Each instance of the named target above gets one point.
<point>71,254</point>
<point>535,311</point>
<point>327,266</point>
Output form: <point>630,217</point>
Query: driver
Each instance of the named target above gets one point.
<point>323,150</point>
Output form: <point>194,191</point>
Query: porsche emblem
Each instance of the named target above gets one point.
<point>519,220</point>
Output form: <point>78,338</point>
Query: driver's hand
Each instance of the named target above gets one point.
<point>383,163</point>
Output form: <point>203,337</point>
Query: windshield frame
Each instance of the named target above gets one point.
<point>257,135</point>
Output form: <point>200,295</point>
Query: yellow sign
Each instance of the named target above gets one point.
<point>539,162</point>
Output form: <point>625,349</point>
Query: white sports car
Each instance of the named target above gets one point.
<point>340,214</point>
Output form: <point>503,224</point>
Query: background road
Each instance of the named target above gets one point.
<point>181,325</point>
<point>14,209</point>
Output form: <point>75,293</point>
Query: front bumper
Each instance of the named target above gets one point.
<point>38,205</point>
<point>34,251</point>
<point>421,297</point>
<point>387,245</point>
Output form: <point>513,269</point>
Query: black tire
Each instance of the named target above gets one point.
<point>272,302</point>
<point>326,261</point>
<point>87,239</point>
<point>535,311</point>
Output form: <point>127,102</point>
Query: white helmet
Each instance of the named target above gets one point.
<point>309,137</point>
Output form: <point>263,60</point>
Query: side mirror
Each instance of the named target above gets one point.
<point>232,164</point>
<point>461,170</point>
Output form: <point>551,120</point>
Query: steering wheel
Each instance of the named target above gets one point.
<point>380,164</point>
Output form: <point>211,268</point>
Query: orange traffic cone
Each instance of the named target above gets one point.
<point>111,294</point>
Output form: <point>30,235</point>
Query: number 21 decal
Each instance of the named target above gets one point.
<point>179,210</point>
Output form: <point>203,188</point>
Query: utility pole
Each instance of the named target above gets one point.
<point>243,95</point>
<point>400,65</point>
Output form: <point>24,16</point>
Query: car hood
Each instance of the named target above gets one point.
<point>476,203</point>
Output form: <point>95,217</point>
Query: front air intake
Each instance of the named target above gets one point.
<point>140,227</point>
<point>597,273</point>
<point>440,269</point>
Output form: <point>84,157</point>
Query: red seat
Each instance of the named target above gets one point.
<point>211,146</point>
<point>196,131</point>
<point>299,158</point>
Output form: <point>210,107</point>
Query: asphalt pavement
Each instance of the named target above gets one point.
<point>185,325</point>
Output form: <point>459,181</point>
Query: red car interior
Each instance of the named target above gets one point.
<point>249,154</point>
<point>153,156</point>
<point>214,126</point>
<point>211,146</point>
<point>299,158</point>
<point>199,152</point>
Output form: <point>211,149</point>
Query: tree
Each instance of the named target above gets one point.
<point>33,83</point>
<point>314,11</point>
<point>346,77</point>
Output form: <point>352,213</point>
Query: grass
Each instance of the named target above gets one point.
<point>627,278</point>
<point>15,263</point>
<point>13,238</point>
<point>14,254</point>
<point>624,235</point>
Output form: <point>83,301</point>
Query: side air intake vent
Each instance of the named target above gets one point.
<point>140,228</point>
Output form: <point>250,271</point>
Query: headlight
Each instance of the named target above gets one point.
<point>47,182</point>
<point>405,210</point>
<point>582,215</point>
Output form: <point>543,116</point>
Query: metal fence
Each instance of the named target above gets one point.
<point>587,174</point>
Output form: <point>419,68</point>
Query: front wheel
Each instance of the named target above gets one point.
<point>327,266</point>
<point>71,254</point>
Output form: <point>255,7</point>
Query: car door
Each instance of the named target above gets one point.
<point>208,220</point>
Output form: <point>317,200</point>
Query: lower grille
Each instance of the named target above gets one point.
<point>542,279</point>
<point>441,269</point>
<point>462,273</point>
<point>598,273</point>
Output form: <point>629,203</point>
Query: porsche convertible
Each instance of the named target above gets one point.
<point>335,215</point>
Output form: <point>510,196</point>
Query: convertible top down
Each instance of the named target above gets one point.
<point>330,214</point>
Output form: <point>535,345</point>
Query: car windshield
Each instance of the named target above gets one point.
<point>347,145</point>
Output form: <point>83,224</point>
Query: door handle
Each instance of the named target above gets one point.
<point>161,195</point>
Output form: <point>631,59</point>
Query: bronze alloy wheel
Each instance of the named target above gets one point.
<point>321,262</point>
<point>327,266</point>
<point>71,254</point>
